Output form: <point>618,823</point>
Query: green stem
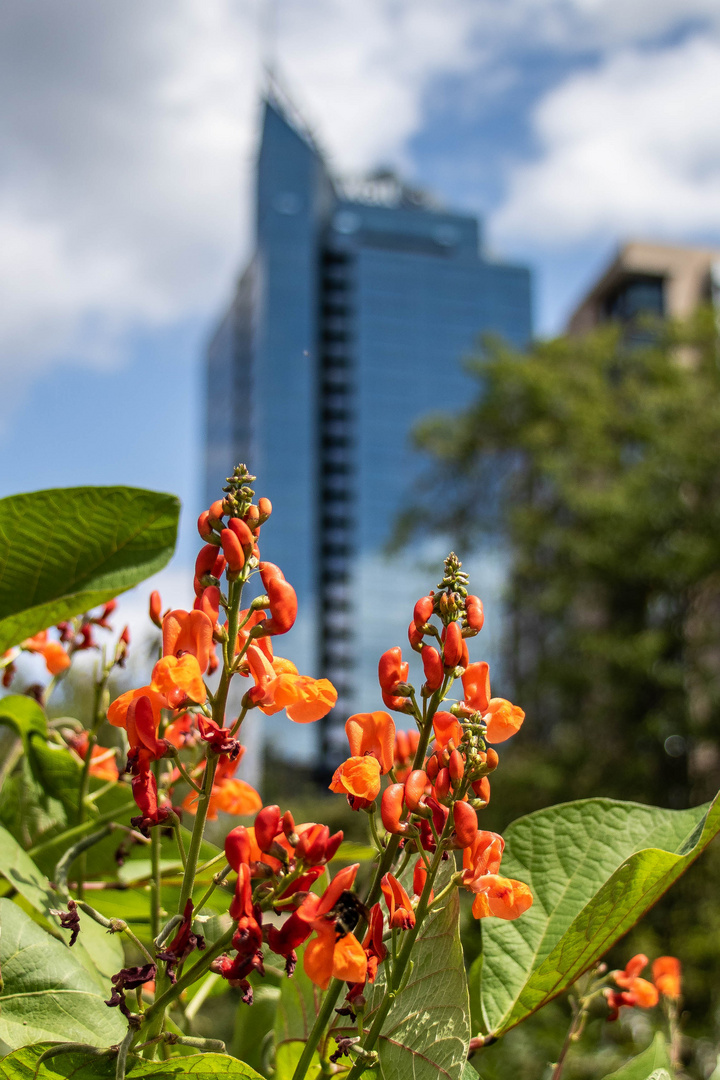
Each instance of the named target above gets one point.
<point>217,880</point>
<point>78,830</point>
<point>394,979</point>
<point>156,885</point>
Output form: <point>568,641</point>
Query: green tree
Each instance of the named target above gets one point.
<point>597,463</point>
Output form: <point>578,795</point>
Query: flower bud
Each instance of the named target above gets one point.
<point>264,509</point>
<point>474,616</point>
<point>392,806</point>
<point>415,786</point>
<point>423,611</point>
<point>452,651</point>
<point>242,532</point>
<point>205,528</point>
<point>433,668</point>
<point>442,784</point>
<point>267,826</point>
<point>312,844</point>
<point>481,788</point>
<point>215,514</point>
<point>466,825</point>
<point>288,828</point>
<point>419,877</point>
<point>456,766</point>
<point>209,561</point>
<point>156,609</point>
<point>252,518</point>
<point>493,760</point>
<point>237,847</point>
<point>432,767</point>
<point>233,551</point>
<point>415,637</point>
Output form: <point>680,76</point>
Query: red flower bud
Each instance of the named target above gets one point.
<point>288,825</point>
<point>264,509</point>
<point>205,528</point>
<point>283,601</point>
<point>237,847</point>
<point>423,611</point>
<point>466,825</point>
<point>156,609</point>
<point>456,766</point>
<point>442,784</point>
<point>415,637</point>
<point>215,514</point>
<point>242,532</point>
<point>311,845</point>
<point>433,667</point>
<point>419,877</point>
<point>267,826</point>
<point>482,789</point>
<point>391,669</point>
<point>415,786</point>
<point>233,550</point>
<point>452,652</point>
<point>432,767</point>
<point>392,806</point>
<point>492,759</point>
<point>252,517</point>
<point>474,613</point>
<point>209,561</point>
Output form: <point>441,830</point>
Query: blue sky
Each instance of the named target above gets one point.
<point>129,132</point>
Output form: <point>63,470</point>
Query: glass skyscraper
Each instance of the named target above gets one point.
<point>349,324</point>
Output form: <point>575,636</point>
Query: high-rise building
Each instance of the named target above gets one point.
<point>649,279</point>
<point>349,324</point>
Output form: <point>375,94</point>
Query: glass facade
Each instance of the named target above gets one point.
<point>349,325</point>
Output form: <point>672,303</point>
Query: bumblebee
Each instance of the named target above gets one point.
<point>348,911</point>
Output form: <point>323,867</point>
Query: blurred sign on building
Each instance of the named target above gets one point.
<point>649,279</point>
<point>349,324</point>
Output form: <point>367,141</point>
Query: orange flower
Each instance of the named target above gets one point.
<point>483,856</point>
<point>642,992</point>
<point>476,685</point>
<point>303,698</point>
<point>102,760</point>
<point>499,896</point>
<point>503,720</point>
<point>373,734</point>
<point>52,652</point>
<point>400,911</point>
<point>228,793</point>
<point>117,713</point>
<point>188,632</point>
<point>278,686</point>
<point>666,971</point>
<point>358,777</point>
<point>328,956</point>
<point>446,727</point>
<point>178,679</point>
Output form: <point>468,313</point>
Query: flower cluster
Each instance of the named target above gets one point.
<point>631,989</point>
<point>438,795</point>
<point>176,711</point>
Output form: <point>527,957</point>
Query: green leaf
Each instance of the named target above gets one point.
<point>653,1064</point>
<point>427,1030</point>
<point>349,851</point>
<point>24,715</point>
<point>594,867</point>
<point>287,1056</point>
<point>48,994</point>
<point>100,953</point>
<point>299,1004</point>
<point>67,550</point>
<point>56,770</point>
<point>21,1066</point>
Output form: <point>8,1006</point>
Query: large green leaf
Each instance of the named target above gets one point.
<point>24,715</point>
<point>57,771</point>
<point>100,953</point>
<point>299,1004</point>
<point>66,550</point>
<point>653,1064</point>
<point>427,1030</point>
<point>22,1064</point>
<point>48,994</point>
<point>594,867</point>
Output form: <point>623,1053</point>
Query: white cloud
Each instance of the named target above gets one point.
<point>630,147</point>
<point>129,132</point>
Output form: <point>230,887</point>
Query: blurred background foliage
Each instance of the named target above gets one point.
<point>593,461</point>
